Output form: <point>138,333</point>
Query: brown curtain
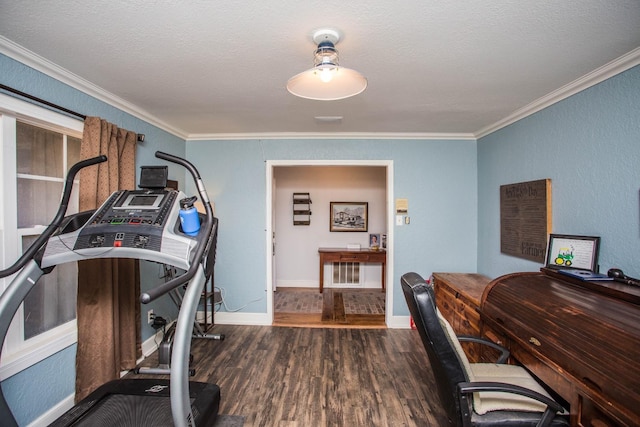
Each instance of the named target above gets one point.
<point>108,289</point>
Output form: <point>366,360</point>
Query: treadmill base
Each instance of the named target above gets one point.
<point>138,403</point>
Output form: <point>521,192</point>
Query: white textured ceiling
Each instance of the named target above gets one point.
<point>202,68</point>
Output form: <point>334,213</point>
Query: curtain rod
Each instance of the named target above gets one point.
<point>140,136</point>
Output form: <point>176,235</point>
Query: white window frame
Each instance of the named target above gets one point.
<point>17,353</point>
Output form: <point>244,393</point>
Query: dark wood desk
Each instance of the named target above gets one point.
<point>351,255</point>
<point>582,339</point>
<point>458,296</point>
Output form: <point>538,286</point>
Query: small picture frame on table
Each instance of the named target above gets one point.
<point>374,242</point>
<point>573,252</point>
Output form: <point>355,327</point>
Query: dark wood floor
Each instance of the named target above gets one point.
<point>301,377</point>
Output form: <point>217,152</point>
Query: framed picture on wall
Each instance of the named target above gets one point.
<point>348,216</point>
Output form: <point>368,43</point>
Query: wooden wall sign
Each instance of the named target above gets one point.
<point>525,219</point>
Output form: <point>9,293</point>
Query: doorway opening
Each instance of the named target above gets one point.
<point>292,250</point>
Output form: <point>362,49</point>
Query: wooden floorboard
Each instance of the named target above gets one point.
<point>327,306</point>
<point>300,376</point>
<point>339,315</point>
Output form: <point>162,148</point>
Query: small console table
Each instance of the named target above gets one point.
<point>351,255</point>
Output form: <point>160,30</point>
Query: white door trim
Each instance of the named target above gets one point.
<point>388,164</point>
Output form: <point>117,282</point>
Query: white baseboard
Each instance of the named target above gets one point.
<point>200,316</point>
<point>54,413</point>
<point>399,322</point>
<point>297,284</point>
<point>256,319</point>
<point>373,285</point>
<point>314,284</point>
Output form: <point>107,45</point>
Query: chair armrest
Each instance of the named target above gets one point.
<point>553,407</point>
<point>504,352</point>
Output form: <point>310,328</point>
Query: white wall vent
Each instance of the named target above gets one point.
<point>346,274</point>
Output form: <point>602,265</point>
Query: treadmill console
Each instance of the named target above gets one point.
<point>129,219</point>
<point>143,225</point>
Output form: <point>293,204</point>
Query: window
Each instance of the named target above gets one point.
<point>43,158</point>
<point>38,148</point>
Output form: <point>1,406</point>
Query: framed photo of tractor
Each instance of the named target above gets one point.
<point>575,252</point>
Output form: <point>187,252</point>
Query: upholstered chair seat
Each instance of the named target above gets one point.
<point>476,394</point>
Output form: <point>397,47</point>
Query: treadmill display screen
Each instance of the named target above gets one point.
<point>141,201</point>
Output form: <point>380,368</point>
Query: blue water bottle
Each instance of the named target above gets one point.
<point>189,218</point>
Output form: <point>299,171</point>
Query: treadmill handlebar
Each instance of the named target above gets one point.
<point>57,220</point>
<point>180,161</point>
<point>158,291</point>
<point>203,237</point>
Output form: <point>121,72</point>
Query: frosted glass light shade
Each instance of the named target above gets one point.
<point>344,83</point>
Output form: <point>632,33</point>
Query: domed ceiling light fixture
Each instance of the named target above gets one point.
<point>327,81</point>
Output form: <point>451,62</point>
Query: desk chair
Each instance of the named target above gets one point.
<point>476,394</point>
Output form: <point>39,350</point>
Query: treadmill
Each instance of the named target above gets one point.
<point>139,224</point>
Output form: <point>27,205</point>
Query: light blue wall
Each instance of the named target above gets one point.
<point>33,391</point>
<point>28,80</point>
<point>589,145</point>
<point>438,177</point>
<point>59,381</point>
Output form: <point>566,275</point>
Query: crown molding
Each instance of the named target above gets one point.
<point>37,62</point>
<point>30,59</point>
<point>43,65</point>
<point>331,135</point>
<point>598,75</point>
